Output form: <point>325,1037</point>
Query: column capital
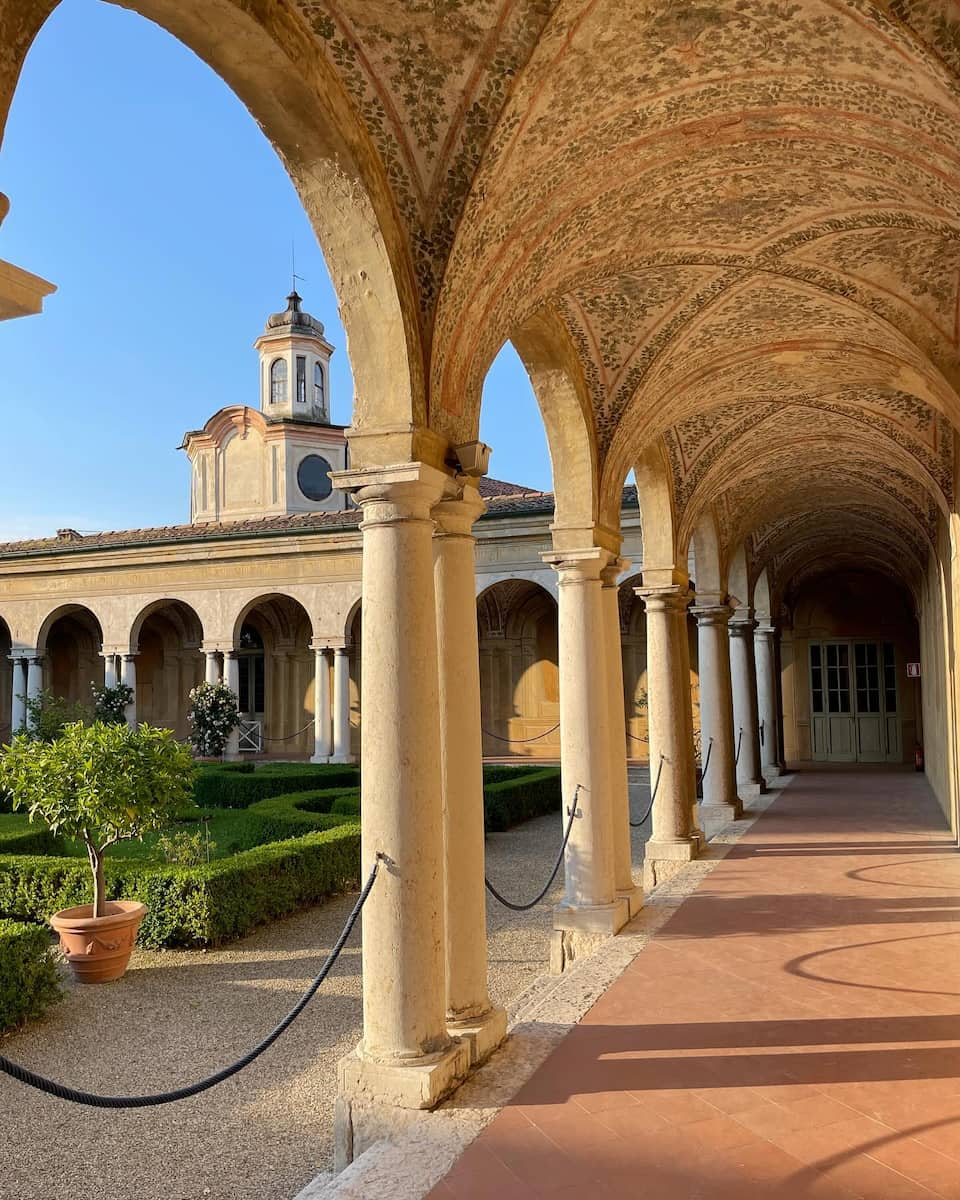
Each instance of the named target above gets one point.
<point>18,656</point>
<point>663,599</point>
<point>389,495</point>
<point>457,510</point>
<point>766,629</point>
<point>578,566</point>
<point>321,645</point>
<point>209,648</point>
<point>231,653</point>
<point>712,614</point>
<point>613,570</point>
<point>740,627</point>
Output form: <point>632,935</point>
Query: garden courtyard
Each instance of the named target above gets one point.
<point>180,1014</point>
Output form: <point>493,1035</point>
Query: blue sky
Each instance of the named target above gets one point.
<point>144,190</point>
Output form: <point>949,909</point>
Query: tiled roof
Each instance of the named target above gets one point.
<point>503,499</point>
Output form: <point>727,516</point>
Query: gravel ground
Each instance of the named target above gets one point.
<point>179,1015</point>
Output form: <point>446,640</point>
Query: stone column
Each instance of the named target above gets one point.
<point>321,705</point>
<point>341,706</point>
<point>470,1014</point>
<point>18,707</point>
<point>746,732</point>
<point>128,675</point>
<point>109,669</point>
<point>591,909</point>
<point>716,710</point>
<point>616,728</point>
<point>34,676</point>
<point>406,1056</point>
<point>673,838</point>
<point>212,666</point>
<point>765,650</point>
<point>231,677</point>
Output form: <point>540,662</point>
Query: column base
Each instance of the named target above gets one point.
<point>483,1034</point>
<point>634,899</point>
<point>772,771</point>
<point>342,758</point>
<point>663,860</point>
<point>579,929</point>
<point>750,791</point>
<point>722,812</point>
<point>320,758</point>
<point>411,1083</point>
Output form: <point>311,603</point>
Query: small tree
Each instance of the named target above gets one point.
<point>99,784</point>
<point>110,703</point>
<point>213,717</point>
<point>48,715</point>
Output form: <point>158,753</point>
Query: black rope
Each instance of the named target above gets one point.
<point>522,741</point>
<point>653,796</point>
<point>637,738</point>
<point>736,757</point>
<point>289,737</point>
<point>706,765</point>
<point>62,1092</point>
<point>572,812</point>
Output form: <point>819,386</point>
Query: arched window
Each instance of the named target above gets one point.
<point>319,396</point>
<point>278,381</point>
<point>252,676</point>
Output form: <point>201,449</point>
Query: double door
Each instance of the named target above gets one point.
<point>855,711</point>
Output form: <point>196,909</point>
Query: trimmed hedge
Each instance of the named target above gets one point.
<point>219,787</point>
<point>530,794</point>
<point>297,813</point>
<point>29,982</point>
<point>194,906</point>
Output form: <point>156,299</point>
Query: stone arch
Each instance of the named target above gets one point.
<point>710,579</point>
<point>519,669</point>
<point>70,641</point>
<point>655,494</point>
<point>274,65</point>
<point>738,569</point>
<point>166,637</point>
<point>182,615</point>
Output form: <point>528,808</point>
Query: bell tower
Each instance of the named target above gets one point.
<point>294,366</point>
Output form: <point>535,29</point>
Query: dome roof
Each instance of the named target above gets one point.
<point>294,320</point>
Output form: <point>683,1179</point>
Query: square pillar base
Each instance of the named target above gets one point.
<point>377,1100</point>
<point>750,791</point>
<point>579,929</point>
<point>772,771</point>
<point>482,1034</point>
<point>319,758</point>
<point>663,860</point>
<point>634,899</point>
<point>721,813</point>
<point>342,758</point>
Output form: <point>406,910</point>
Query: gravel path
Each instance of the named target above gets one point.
<point>178,1015</point>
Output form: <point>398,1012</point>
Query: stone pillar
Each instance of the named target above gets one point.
<point>109,669</point>
<point>716,710</point>
<point>616,728</point>
<point>231,677</point>
<point>212,666</point>
<point>591,909</point>
<point>470,1014</point>
<point>322,747</point>
<point>765,651</point>
<point>18,707</point>
<point>341,706</point>
<point>746,732</point>
<point>34,676</point>
<point>673,838</point>
<point>406,1057</point>
<point>128,675</point>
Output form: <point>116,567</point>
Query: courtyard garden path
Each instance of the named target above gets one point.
<point>178,1015</point>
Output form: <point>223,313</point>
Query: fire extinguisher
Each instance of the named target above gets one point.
<point>918,758</point>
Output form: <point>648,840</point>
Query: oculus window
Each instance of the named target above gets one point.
<point>313,477</point>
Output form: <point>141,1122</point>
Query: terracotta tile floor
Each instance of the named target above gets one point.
<point>793,1031</point>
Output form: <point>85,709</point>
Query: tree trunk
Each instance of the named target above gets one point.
<point>99,883</point>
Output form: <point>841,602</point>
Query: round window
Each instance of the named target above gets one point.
<point>313,477</point>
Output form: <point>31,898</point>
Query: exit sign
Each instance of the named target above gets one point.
<point>913,670</point>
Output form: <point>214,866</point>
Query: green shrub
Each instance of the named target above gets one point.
<point>216,788</point>
<point>194,906</point>
<point>29,983</point>
<point>347,803</point>
<point>530,794</point>
<point>295,813</point>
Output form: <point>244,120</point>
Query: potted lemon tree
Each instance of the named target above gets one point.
<point>99,784</point>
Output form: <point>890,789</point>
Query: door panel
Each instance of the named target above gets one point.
<point>894,739</point>
<point>870,739</point>
<point>842,742</point>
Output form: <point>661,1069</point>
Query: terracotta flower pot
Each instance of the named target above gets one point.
<point>98,949</point>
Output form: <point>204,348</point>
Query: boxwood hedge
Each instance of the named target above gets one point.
<point>224,787</point>
<point>29,982</point>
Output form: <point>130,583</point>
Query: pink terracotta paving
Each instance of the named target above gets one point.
<point>793,1031</point>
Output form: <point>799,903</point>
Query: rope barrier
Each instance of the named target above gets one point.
<point>289,737</point>
<point>706,765</point>
<point>736,757</point>
<point>572,813</point>
<point>76,1096</point>
<point>637,738</point>
<point>521,741</point>
<point>653,796</point>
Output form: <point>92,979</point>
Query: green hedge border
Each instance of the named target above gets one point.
<point>29,980</point>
